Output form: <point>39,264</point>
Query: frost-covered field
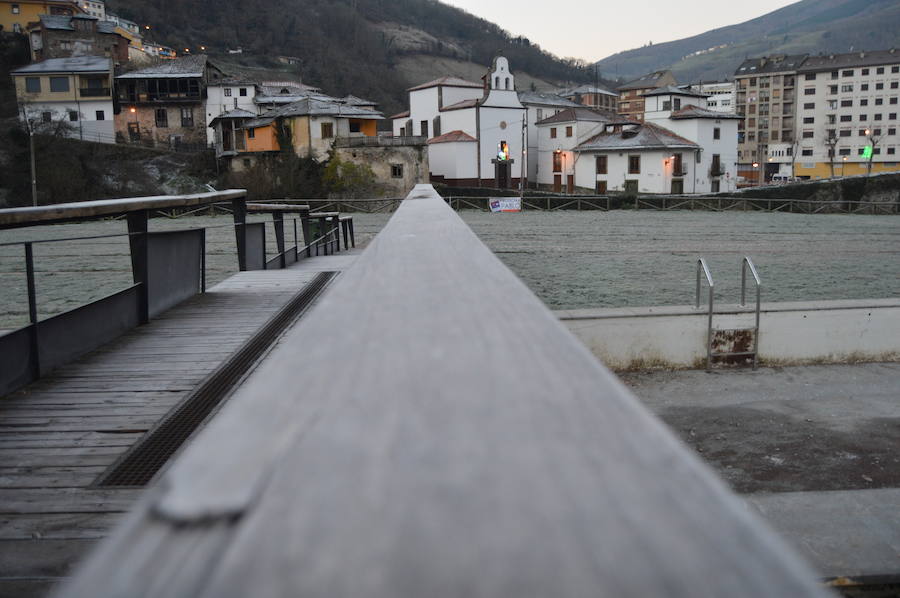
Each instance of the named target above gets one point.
<point>570,259</point>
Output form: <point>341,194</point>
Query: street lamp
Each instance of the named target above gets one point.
<point>869,150</point>
<point>755,167</point>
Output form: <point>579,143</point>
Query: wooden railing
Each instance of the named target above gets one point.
<point>430,429</point>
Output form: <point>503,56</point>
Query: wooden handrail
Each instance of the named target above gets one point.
<point>430,428</point>
<point>102,208</point>
<point>277,207</point>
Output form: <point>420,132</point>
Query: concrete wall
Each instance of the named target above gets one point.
<point>790,333</point>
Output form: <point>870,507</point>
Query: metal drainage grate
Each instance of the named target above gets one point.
<point>143,460</point>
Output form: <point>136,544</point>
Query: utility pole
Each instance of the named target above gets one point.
<point>30,128</point>
<point>522,169</point>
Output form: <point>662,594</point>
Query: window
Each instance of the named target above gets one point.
<point>845,118</point>
<point>246,162</point>
<point>717,133</point>
<point>892,131</point>
<point>806,152</point>
<point>327,129</point>
<point>251,133</point>
<point>847,73</point>
<point>834,74</point>
<point>807,135</point>
<point>242,92</point>
<point>552,132</point>
<point>677,165</point>
<point>877,132</point>
<point>73,116</point>
<point>879,101</point>
<point>808,120</point>
<point>862,132</point>
<point>568,131</point>
<point>602,165</point>
<point>667,105</point>
<point>540,114</point>
<point>831,119</point>
<point>810,76</point>
<point>890,150</point>
<point>879,70</point>
<point>895,69</point>
<point>677,103</point>
<point>845,133</point>
<point>864,102</point>
<point>15,9</point>
<point>846,103</point>
<point>601,187</point>
<point>634,164</point>
<point>845,151</point>
<point>809,106</point>
<point>832,89</point>
<point>865,71</point>
<point>33,84</point>
<point>879,86</point>
<point>892,116</point>
<point>864,87</point>
<point>100,115</point>
<point>863,117</point>
<point>227,92</point>
<point>895,84</point>
<point>187,117</point>
<point>846,87</point>
<point>397,171</point>
<point>557,161</point>
<point>46,117</point>
<point>355,126</point>
<point>893,101</point>
<point>59,84</point>
<point>877,117</point>
<point>162,118</point>
<point>423,126</point>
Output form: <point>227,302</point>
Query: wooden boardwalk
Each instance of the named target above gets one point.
<point>60,433</point>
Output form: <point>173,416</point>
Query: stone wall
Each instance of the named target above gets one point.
<point>883,189</point>
<point>413,160</point>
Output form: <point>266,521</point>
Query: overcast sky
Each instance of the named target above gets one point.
<point>594,29</point>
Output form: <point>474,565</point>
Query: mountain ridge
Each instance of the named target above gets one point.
<point>804,27</point>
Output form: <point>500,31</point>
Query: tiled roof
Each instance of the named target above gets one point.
<point>447,82</point>
<point>641,137</point>
<point>826,62</point>
<point>451,137</point>
<point>233,114</point>
<point>648,80</point>
<point>314,107</point>
<point>770,64</point>
<point>184,66</point>
<point>352,100</point>
<point>545,99</point>
<point>697,112</point>
<point>404,114</point>
<point>460,105</point>
<point>582,89</point>
<point>578,114</point>
<point>73,64</point>
<point>672,90</point>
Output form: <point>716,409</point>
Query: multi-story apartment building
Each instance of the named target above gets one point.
<point>766,98</point>
<point>848,103</point>
<point>95,8</point>
<point>631,95</point>
<point>592,96</point>
<point>719,95</point>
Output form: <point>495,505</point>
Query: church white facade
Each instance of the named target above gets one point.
<point>474,131</point>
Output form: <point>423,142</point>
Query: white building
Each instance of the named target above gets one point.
<point>538,106</point>
<point>75,90</point>
<point>720,95</point>
<point>557,136</point>
<point>682,147</point>
<point>95,8</point>
<point>228,95</point>
<point>450,111</point>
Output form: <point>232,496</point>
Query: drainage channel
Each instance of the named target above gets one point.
<point>143,460</point>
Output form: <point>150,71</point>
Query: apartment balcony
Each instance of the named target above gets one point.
<point>95,92</point>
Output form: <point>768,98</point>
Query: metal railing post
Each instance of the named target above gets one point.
<point>745,263</point>
<point>32,312</point>
<point>701,264</point>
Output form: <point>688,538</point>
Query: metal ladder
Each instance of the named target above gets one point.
<point>734,332</point>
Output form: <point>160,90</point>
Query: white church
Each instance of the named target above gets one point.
<point>475,131</point>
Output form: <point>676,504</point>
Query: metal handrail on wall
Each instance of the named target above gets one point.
<point>748,263</point>
<point>701,265</point>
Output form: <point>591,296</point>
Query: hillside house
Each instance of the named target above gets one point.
<point>77,91</point>
<point>228,95</point>
<point>475,133</point>
<point>166,104</point>
<point>592,96</point>
<point>538,106</point>
<point>15,15</point>
<point>61,36</point>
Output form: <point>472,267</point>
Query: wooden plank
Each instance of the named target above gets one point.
<point>441,451</point>
<point>41,558</point>
<point>66,500</point>
<point>56,480</point>
<point>58,526</point>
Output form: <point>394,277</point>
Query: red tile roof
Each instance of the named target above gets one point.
<point>451,137</point>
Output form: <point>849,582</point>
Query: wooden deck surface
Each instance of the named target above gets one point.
<point>60,433</point>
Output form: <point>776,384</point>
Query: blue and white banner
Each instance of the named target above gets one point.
<point>506,204</point>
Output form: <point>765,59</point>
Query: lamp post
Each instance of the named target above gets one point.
<point>870,150</point>
<point>758,177</point>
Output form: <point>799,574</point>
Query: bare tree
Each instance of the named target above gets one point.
<point>831,141</point>
<point>873,141</point>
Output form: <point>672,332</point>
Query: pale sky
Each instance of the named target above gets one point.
<point>594,29</point>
